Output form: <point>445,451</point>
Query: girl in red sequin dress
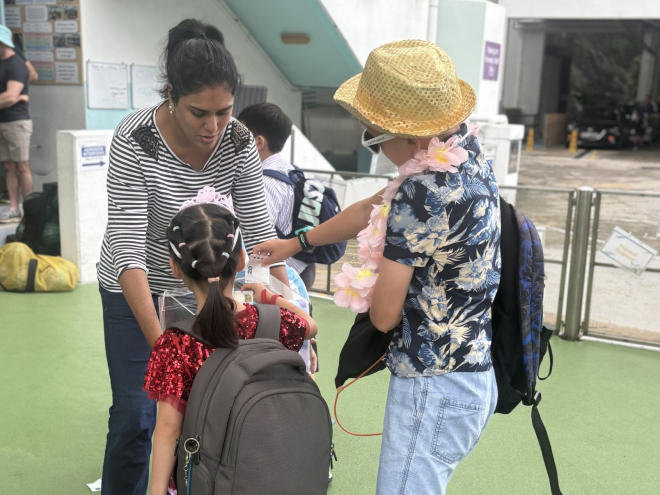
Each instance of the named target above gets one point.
<point>206,253</point>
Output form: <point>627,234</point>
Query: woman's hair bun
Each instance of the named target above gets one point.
<point>196,57</point>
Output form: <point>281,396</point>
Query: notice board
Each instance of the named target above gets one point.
<point>47,32</point>
<point>107,86</point>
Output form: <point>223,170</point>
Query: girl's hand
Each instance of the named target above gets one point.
<point>258,290</point>
<point>277,250</point>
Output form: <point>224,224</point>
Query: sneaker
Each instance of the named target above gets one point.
<point>329,477</point>
<point>8,215</point>
<point>4,198</point>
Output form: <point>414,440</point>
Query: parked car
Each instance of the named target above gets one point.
<point>602,127</point>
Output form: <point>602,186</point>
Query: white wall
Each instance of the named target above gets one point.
<point>368,24</point>
<point>53,108</point>
<point>134,31</point>
<point>582,9</point>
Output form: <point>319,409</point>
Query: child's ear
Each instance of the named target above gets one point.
<point>415,144</point>
<point>241,261</point>
<point>176,271</point>
<point>260,142</point>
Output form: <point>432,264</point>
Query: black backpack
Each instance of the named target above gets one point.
<point>520,340</point>
<point>519,343</point>
<point>40,226</point>
<point>255,421</point>
<point>314,204</point>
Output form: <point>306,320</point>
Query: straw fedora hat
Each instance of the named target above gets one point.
<point>408,88</point>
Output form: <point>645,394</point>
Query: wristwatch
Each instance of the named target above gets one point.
<point>306,246</point>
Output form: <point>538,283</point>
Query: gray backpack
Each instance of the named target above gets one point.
<point>255,422</point>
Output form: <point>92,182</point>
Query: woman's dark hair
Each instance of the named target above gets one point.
<point>195,58</point>
<point>203,236</point>
<point>267,120</point>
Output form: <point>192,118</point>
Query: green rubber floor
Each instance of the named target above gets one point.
<point>600,407</point>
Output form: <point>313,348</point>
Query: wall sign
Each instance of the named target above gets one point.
<point>94,156</point>
<point>107,86</point>
<point>145,86</point>
<point>41,28</point>
<point>628,252</point>
<point>491,61</point>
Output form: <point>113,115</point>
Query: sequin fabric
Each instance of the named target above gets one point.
<point>176,356</point>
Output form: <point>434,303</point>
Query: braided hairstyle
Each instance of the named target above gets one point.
<point>203,236</point>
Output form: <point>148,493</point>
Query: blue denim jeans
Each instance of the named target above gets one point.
<point>132,414</point>
<point>431,424</point>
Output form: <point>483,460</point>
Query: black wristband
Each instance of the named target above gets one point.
<point>302,239</point>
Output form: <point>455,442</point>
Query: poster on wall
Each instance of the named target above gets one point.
<point>107,86</point>
<point>144,86</point>
<point>47,32</point>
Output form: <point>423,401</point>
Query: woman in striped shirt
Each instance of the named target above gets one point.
<point>160,157</point>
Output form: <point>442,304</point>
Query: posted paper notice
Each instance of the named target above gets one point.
<point>628,252</point>
<point>13,17</point>
<point>66,73</point>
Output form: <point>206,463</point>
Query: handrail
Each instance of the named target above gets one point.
<point>332,173</point>
<point>537,188</point>
<point>617,192</point>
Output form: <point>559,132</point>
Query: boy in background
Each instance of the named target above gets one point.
<point>271,127</point>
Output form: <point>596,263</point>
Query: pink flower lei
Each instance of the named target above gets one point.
<point>355,286</point>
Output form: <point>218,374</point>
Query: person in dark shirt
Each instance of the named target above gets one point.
<point>15,125</point>
<point>34,76</point>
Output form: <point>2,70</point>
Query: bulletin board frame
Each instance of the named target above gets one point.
<point>48,33</point>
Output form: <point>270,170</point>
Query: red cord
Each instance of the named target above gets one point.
<point>341,389</point>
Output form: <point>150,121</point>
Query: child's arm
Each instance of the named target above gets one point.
<point>283,303</point>
<point>168,429</point>
<point>390,294</point>
<point>342,227</point>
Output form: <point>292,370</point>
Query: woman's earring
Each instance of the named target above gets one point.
<point>171,106</point>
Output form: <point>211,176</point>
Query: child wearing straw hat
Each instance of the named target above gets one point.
<point>430,253</point>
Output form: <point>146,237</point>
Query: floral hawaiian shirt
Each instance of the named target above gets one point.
<point>446,225</point>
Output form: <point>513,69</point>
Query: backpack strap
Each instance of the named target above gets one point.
<point>279,176</point>
<point>546,448</point>
<point>270,321</point>
<point>31,275</point>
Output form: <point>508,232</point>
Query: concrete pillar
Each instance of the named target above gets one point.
<point>82,166</point>
<point>647,68</point>
<point>523,72</point>
<point>472,33</point>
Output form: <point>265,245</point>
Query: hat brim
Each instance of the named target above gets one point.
<point>345,96</point>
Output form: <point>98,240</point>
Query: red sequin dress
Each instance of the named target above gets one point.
<point>176,356</point>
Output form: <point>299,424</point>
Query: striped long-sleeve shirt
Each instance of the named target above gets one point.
<point>147,183</point>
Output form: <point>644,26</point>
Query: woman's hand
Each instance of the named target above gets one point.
<point>259,294</point>
<point>24,98</point>
<point>277,250</point>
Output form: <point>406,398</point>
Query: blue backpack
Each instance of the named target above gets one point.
<point>520,340</point>
<point>314,204</point>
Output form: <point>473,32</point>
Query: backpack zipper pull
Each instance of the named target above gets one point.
<point>332,454</point>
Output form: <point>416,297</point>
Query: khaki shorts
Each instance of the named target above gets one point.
<point>15,140</point>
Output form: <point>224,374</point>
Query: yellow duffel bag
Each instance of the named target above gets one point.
<point>23,271</point>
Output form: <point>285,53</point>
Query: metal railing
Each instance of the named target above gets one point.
<point>581,221</point>
<point>596,207</point>
<point>563,219</point>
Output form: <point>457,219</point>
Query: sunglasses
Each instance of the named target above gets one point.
<point>372,143</point>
